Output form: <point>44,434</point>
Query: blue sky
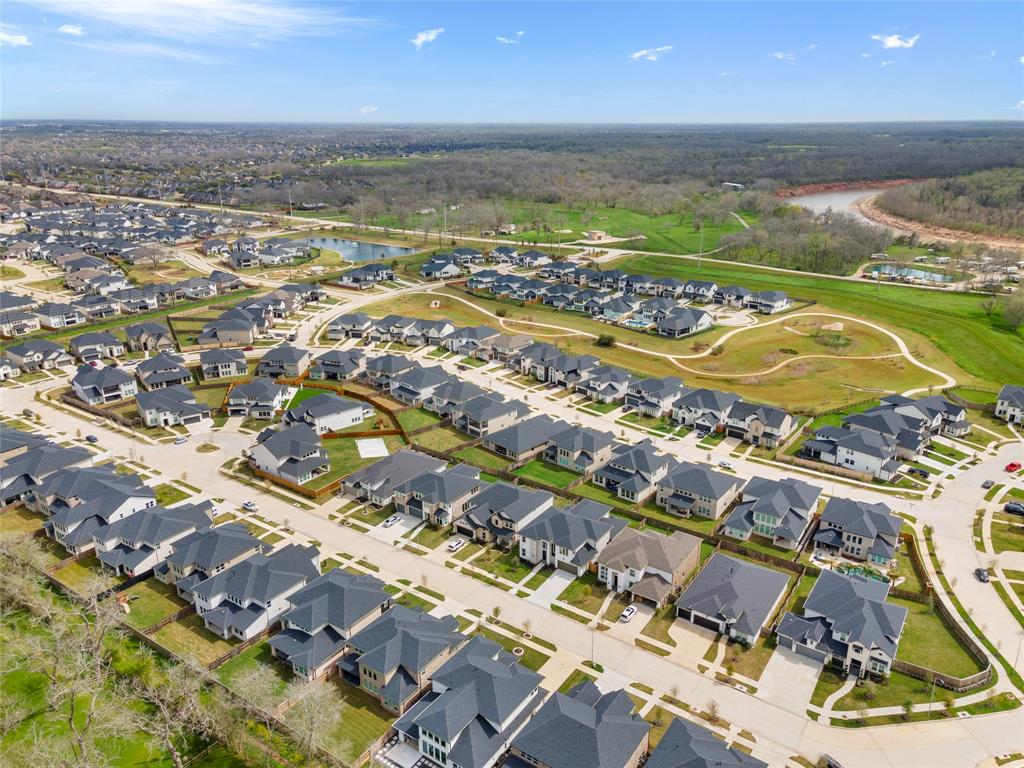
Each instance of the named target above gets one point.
<point>300,60</point>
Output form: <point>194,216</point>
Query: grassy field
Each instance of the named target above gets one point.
<point>546,473</point>
<point>343,455</point>
<point>18,522</point>
<point>167,494</point>
<point>165,272</point>
<point>235,673</point>
<point>415,418</point>
<point>938,326</point>
<point>925,637</point>
<point>150,601</point>
<point>504,564</point>
<point>188,637</point>
<point>482,458</point>
<point>441,438</point>
<point>360,721</point>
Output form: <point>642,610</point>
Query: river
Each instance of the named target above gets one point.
<point>837,201</point>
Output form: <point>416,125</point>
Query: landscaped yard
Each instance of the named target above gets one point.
<point>749,662</point>
<point>431,537</point>
<point>1007,537</point>
<point>360,720</point>
<point>188,638</point>
<point>575,678</point>
<point>927,641</point>
<point>213,397</point>
<point>240,673</point>
<point>150,601</point>
<point>18,522</point>
<point>167,494</point>
<point>416,418</point>
<point>546,473</point>
<point>659,623</point>
<point>531,658</point>
<point>597,493</point>
<point>585,593</point>
<point>84,575</point>
<point>344,458</point>
<point>441,438</point>
<point>482,458</point>
<point>663,425</point>
<point>601,408</point>
<point>504,564</point>
<point>898,689</point>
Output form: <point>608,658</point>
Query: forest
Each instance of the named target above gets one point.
<point>986,202</point>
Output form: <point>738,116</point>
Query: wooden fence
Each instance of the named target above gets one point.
<point>69,399</point>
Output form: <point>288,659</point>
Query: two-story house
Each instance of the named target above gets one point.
<point>259,398</point>
<point>778,510</point>
<point>633,472</point>
<point>858,530</point>
<point>569,538</point>
<point>328,412</point>
<point>293,453</point>
<point>580,449</point>
<point>648,565</point>
<point>140,542</point>
<point>439,498</point>
<point>223,363</point>
<point>500,511</point>
<point>205,553</point>
<point>694,489</point>
<point>376,483</point>
<point>99,386</point>
<point>163,370</point>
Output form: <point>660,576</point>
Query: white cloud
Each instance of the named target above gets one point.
<point>812,46</point>
<point>865,55</point>
<point>207,20</point>
<point>426,36</point>
<point>507,40</point>
<point>727,73</point>
<point>650,54</point>
<point>888,62</point>
<point>989,55</point>
<point>9,36</point>
<point>1019,104</point>
<point>782,56</point>
<point>896,41</point>
<point>369,109</point>
<point>144,49</point>
<point>1021,60</point>
<point>520,33</point>
<point>75,30</point>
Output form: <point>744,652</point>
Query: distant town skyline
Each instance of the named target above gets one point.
<point>528,62</point>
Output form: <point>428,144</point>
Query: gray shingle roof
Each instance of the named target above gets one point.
<point>735,591</point>
<point>688,745</point>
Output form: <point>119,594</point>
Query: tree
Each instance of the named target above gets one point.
<point>496,613</point>
<point>605,340</point>
<point>713,711</point>
<point>908,708</point>
<point>989,305</point>
<point>313,713</point>
<point>1013,310</point>
<point>870,690</point>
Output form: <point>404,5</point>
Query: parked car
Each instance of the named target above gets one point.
<point>28,413</point>
<point>249,348</point>
<point>292,336</point>
<point>725,465</point>
<point>1013,466</point>
<point>249,506</point>
<point>180,440</point>
<point>93,363</point>
<point>91,439</point>
<point>981,574</point>
<point>627,614</point>
<point>456,544</point>
<point>1014,508</point>
<point>988,484</point>
<point>919,472</point>
<point>391,521</point>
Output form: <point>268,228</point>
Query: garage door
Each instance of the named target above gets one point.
<point>704,621</point>
<point>736,433</point>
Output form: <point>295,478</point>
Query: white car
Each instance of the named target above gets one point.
<point>627,614</point>
<point>249,506</point>
<point>391,521</point>
<point>180,440</point>
<point>456,544</point>
<point>725,465</point>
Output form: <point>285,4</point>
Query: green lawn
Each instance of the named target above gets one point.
<point>189,638</point>
<point>467,551</point>
<point>601,408</point>
<point>360,721</point>
<point>898,689</point>
<point>303,394</point>
<point>504,564</point>
<point>432,538</point>
<point>546,473</point>
<point>441,438</point>
<point>657,627</point>
<point>410,600</point>
<point>344,458</point>
<point>479,457</point>
<point>1007,538</point>
<point>749,662</point>
<point>576,677</point>
<point>167,494</point>
<point>597,493</point>
<point>531,658</point>
<point>585,593</point>
<point>927,641</point>
<point>78,576</point>
<point>150,601</point>
<point>664,425</point>
<point>236,673</point>
<point>19,522</point>
<point>416,418</point>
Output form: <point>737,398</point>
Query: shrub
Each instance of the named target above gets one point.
<point>605,340</point>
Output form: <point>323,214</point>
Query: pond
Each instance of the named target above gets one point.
<point>837,201</point>
<point>903,272</point>
<point>357,250</point>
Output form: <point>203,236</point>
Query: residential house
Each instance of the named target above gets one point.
<point>943,416</point>
<point>439,268</point>
<point>703,409</point>
<point>37,355</point>
<point>96,345</point>
<point>54,316</point>
<point>418,384</point>
<point>81,502</point>
<point>24,471</point>
<point>584,728</point>
<point>523,440</point>
<point>394,658</point>
<point>605,384</point>
<point>292,453</point>
<point>482,415</point>
<point>847,622</point>
<point>323,616</point>
<point>500,511</point>
<point>733,597</point>
<point>259,398</point>
<point>17,323</point>
<point>702,291</point>
<point>8,369</point>
<point>338,364</point>
<point>381,371</point>
<point>857,450</point>
<point>633,472</point>
<point>452,396</point>
<point>351,326</point>
<point>779,510</point>
<point>569,538</point>
<point>99,386</point>
<point>439,498</point>
<point>283,361</point>
<point>858,530</point>
<point>654,397</point>
<point>470,341</point>
<point>328,412</point>
<point>688,745</point>
<point>478,701</point>
<point>694,489</point>
<point>205,553</point>
<point>648,565</point>
<point>683,321</point>
<point>768,302</point>
<point>171,406</point>
<point>734,296</point>
<point>761,425</point>
<point>376,483</point>
<point>249,597</point>
<point>223,363</point>
<point>580,449</point>
<point>163,370</point>
<point>1010,404</point>
<point>138,543</point>
<point>149,337</point>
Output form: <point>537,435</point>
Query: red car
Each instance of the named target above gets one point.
<point>1013,466</point>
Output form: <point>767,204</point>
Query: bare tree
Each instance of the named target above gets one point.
<point>313,713</point>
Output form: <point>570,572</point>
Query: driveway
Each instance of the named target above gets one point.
<point>692,642</point>
<point>405,524</point>
<point>631,630</point>
<point>788,681</point>
<point>556,583</point>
